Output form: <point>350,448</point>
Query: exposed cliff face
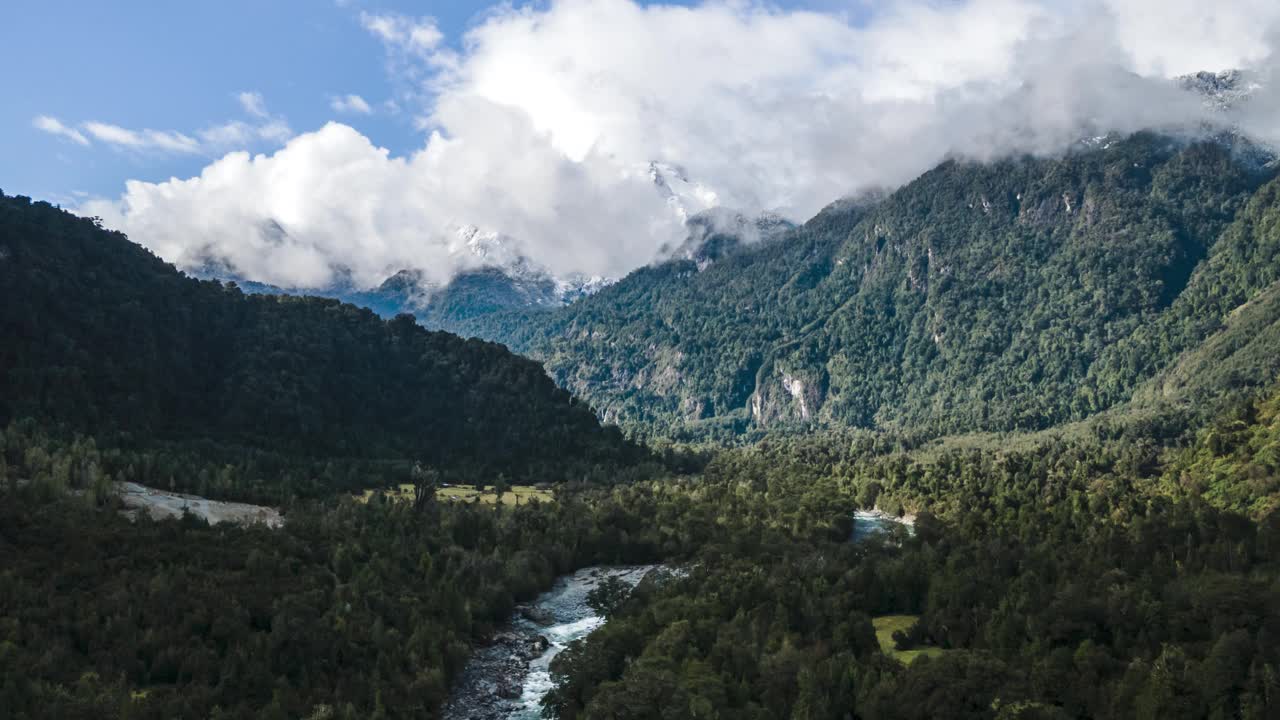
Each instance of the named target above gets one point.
<point>784,397</point>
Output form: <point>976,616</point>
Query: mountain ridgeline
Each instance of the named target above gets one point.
<point>1014,295</point>
<point>104,339</point>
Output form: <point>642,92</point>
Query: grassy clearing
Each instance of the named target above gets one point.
<point>887,625</point>
<point>516,495</point>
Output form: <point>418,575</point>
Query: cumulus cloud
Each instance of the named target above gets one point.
<point>54,126</point>
<point>553,123</point>
<point>350,104</point>
<point>331,199</point>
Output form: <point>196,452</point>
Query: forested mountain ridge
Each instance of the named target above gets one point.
<point>1120,567</point>
<point>103,338</point>
<point>1004,296</point>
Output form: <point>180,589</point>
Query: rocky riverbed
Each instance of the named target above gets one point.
<point>163,505</point>
<point>507,678</point>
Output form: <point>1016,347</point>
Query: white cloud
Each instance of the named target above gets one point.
<point>238,134</point>
<point>215,139</point>
<point>327,195</point>
<point>169,141</point>
<point>275,130</point>
<point>350,104</point>
<point>543,125</point>
<point>253,104</point>
<point>54,126</point>
<point>420,36</point>
<point>1177,37</point>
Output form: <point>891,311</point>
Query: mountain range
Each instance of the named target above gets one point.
<point>980,297</point>
<point>497,275</point>
<point>1052,381</point>
<point>1013,295</point>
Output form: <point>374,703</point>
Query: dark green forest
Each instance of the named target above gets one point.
<point>368,610</point>
<point>104,339</point>
<point>1097,572</point>
<point>1057,582</point>
<point>1064,371</point>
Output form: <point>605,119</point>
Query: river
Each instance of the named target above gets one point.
<point>875,522</point>
<point>507,678</point>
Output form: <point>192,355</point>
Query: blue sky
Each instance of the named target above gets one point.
<point>179,66</point>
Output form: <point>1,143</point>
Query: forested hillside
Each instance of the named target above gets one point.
<point>1122,566</point>
<point>352,611</point>
<point>1081,573</point>
<point>1007,296</point>
<point>104,339</point>
<point>1057,579</point>
<point>1235,460</point>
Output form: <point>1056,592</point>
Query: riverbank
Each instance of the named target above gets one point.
<point>161,505</point>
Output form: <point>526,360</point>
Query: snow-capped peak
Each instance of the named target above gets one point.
<point>1223,90</point>
<point>685,197</point>
<point>577,285</point>
<point>487,246</point>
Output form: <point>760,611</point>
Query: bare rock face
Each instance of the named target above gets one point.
<point>788,396</point>
<point>1221,90</point>
<point>693,408</point>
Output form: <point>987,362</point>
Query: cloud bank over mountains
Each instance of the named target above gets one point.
<point>544,123</point>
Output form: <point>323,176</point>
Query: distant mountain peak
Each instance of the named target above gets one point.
<point>406,282</point>
<point>577,285</point>
<point>1225,93</point>
<point>488,246</point>
<point>684,196</point>
<point>1223,90</point>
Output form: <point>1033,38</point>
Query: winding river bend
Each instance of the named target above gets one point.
<point>507,679</point>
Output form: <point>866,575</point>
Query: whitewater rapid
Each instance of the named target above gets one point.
<point>508,678</point>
